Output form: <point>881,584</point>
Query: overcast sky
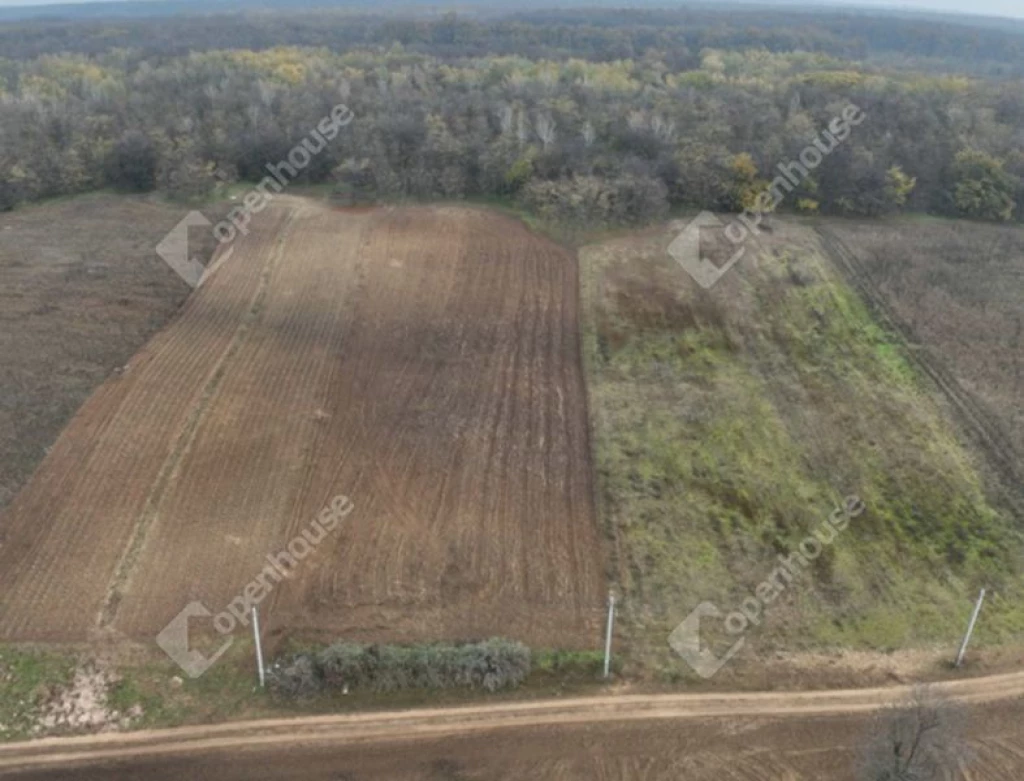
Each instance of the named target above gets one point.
<point>1013,8</point>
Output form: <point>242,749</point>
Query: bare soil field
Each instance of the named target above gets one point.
<point>80,291</point>
<point>423,362</point>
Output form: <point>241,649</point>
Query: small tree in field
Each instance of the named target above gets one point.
<point>919,739</point>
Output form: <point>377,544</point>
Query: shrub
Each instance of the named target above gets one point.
<point>296,676</point>
<point>342,663</point>
<point>491,665</point>
<point>918,739</point>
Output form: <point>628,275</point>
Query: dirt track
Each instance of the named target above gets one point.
<point>423,361</point>
<point>810,735</point>
<point>973,416</point>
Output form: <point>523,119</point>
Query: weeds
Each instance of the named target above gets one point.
<point>728,422</point>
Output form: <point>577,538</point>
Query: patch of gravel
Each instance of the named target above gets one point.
<point>83,706</point>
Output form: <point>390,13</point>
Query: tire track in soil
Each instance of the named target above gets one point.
<point>65,531</point>
<point>974,418</point>
<point>424,361</point>
<point>169,471</point>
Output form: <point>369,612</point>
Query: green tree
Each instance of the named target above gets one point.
<point>981,186</point>
<point>133,163</point>
<point>898,186</point>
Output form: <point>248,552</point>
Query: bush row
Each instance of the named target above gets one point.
<point>491,665</point>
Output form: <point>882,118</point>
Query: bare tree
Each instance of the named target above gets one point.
<point>545,127</point>
<point>506,115</point>
<point>663,129</point>
<point>917,739</point>
<point>522,128</point>
<point>589,134</point>
<point>267,91</point>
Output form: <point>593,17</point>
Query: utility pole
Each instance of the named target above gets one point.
<point>608,635</point>
<point>970,629</point>
<point>259,647</point>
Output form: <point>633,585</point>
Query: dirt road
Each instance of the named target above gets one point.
<point>806,735</point>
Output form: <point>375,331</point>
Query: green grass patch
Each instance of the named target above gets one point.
<point>728,424</point>
<point>28,681</point>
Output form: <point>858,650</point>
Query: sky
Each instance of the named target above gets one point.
<point>1011,8</point>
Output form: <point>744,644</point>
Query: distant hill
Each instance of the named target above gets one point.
<point>165,8</point>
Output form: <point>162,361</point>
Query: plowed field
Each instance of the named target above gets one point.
<point>422,361</point>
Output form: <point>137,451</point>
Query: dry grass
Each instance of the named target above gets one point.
<point>959,287</point>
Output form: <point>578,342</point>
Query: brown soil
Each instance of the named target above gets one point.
<point>81,290</point>
<point>423,362</point>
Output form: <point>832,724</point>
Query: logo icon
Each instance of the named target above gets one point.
<point>173,249</point>
<point>173,639</point>
<point>685,641</point>
<point>685,249</point>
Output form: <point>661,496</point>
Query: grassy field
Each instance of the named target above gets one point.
<point>729,423</point>
<point>29,679</point>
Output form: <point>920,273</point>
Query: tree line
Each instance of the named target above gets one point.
<point>440,112</point>
<point>680,35</point>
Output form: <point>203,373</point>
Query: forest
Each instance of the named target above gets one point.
<point>600,115</point>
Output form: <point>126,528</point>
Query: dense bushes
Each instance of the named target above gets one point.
<point>491,665</point>
<point>588,200</point>
<point>133,162</point>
